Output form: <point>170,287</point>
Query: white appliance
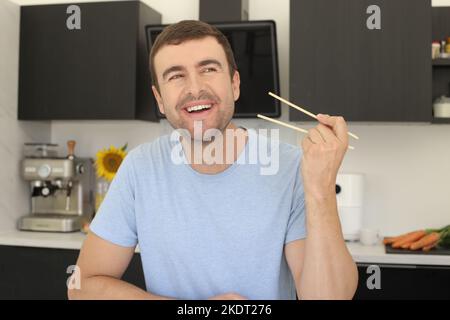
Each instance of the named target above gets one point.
<point>350,197</point>
<point>441,107</point>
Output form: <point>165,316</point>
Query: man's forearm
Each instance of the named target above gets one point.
<point>109,288</point>
<point>329,271</point>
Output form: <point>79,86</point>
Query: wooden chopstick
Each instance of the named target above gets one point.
<point>312,115</point>
<point>281,123</point>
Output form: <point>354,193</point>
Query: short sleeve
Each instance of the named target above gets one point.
<point>115,220</point>
<point>296,227</point>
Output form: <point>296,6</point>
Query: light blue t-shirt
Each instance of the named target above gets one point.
<point>201,235</point>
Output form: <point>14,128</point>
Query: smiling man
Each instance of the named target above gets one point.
<point>218,230</point>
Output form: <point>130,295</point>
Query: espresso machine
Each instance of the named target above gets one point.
<point>61,189</point>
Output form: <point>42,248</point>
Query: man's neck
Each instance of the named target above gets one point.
<point>215,156</point>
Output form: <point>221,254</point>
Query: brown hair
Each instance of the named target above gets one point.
<point>177,33</point>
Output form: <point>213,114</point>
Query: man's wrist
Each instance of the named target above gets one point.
<point>321,194</point>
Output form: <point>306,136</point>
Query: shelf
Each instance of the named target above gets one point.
<point>441,62</point>
<point>440,120</point>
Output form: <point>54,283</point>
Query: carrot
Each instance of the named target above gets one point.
<point>431,246</point>
<point>426,241</point>
<point>409,239</point>
<point>407,245</point>
<point>390,240</point>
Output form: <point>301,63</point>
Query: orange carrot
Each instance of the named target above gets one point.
<point>426,241</point>
<point>390,240</point>
<point>431,246</point>
<point>407,245</point>
<point>411,238</point>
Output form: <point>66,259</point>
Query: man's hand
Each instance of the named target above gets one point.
<point>228,296</point>
<point>323,151</point>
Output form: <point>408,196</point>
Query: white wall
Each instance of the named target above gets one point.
<point>14,201</point>
<point>440,3</point>
<point>407,165</point>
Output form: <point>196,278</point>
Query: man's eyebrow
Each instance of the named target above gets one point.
<point>200,64</point>
<point>171,69</point>
<point>209,61</point>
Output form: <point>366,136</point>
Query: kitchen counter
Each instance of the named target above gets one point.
<point>376,255</point>
<point>53,240</point>
<point>72,240</point>
<point>361,254</point>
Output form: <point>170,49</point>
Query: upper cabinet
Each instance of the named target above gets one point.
<point>367,60</point>
<point>85,61</point>
<point>441,66</point>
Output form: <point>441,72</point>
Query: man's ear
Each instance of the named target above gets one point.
<point>236,85</point>
<point>158,99</point>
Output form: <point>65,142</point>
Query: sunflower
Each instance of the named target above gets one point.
<point>108,162</point>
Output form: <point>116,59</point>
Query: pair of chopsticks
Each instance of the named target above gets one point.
<point>312,115</point>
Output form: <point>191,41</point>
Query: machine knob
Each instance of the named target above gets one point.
<point>80,168</point>
<point>45,191</point>
<point>44,171</point>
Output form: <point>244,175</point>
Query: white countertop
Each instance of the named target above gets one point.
<point>361,254</point>
<point>376,254</point>
<point>72,240</point>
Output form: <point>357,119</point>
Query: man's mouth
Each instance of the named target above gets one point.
<point>198,108</point>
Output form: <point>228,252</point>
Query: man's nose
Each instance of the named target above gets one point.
<point>195,85</point>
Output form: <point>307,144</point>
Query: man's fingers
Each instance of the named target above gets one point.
<point>315,136</point>
<point>337,124</point>
<point>326,132</point>
<point>306,144</point>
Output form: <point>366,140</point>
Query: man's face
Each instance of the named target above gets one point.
<point>191,74</point>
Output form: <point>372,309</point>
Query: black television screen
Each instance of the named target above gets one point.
<point>255,51</point>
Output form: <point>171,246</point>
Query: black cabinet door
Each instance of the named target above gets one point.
<point>340,67</point>
<point>41,273</point>
<point>99,71</point>
<point>404,282</point>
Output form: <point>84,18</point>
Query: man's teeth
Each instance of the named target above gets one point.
<point>199,107</point>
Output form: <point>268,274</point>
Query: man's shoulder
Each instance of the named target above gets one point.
<point>150,151</point>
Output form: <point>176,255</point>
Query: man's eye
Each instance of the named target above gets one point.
<point>207,70</point>
<point>176,76</point>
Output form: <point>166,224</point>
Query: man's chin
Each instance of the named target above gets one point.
<point>203,134</point>
<point>200,130</point>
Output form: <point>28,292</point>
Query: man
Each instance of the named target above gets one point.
<point>218,230</point>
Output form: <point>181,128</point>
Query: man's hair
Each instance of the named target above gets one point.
<point>185,30</point>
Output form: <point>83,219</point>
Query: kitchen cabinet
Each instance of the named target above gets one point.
<point>85,63</point>
<point>40,273</point>
<point>340,66</point>
<point>441,67</point>
<point>220,11</point>
<point>398,281</point>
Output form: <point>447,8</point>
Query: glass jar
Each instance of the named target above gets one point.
<point>102,189</point>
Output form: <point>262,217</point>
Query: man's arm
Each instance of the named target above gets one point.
<point>102,264</point>
<point>321,265</point>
